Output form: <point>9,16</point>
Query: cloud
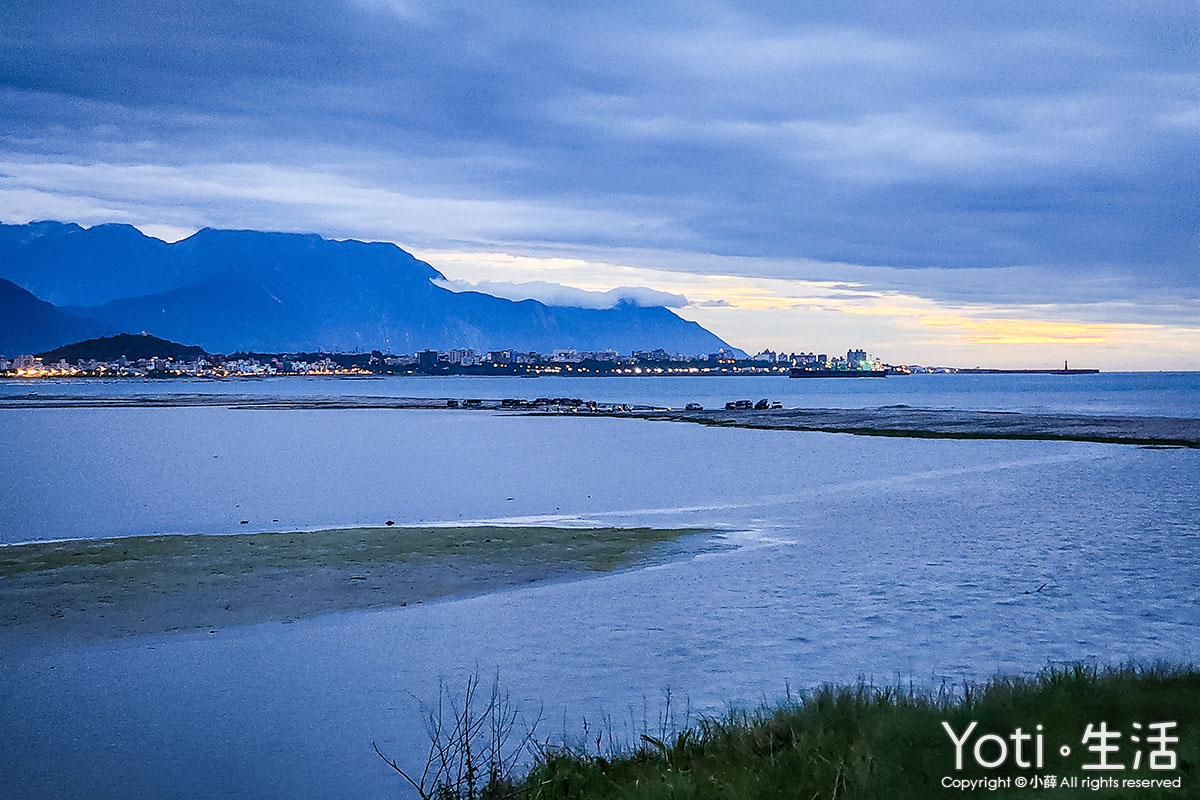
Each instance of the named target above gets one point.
<point>903,324</point>
<point>306,199</point>
<point>556,294</point>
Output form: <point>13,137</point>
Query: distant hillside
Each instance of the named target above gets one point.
<point>65,264</point>
<point>275,292</point>
<point>28,325</point>
<point>131,346</point>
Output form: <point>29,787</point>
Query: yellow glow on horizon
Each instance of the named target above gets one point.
<point>1032,331</point>
<point>824,315</point>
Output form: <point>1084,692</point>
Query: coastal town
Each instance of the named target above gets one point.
<point>150,357</point>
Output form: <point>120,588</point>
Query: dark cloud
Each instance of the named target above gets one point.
<point>1059,138</point>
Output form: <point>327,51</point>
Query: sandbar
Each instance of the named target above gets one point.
<point>103,588</point>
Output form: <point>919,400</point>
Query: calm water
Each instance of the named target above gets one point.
<point>1147,393</point>
<point>850,556</point>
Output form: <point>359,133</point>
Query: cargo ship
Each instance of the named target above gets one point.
<point>802,372</point>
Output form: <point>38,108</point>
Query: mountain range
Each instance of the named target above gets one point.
<point>228,290</point>
<point>30,325</point>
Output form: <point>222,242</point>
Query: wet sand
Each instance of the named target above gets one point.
<point>104,588</point>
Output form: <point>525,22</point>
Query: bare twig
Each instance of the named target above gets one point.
<point>474,748</point>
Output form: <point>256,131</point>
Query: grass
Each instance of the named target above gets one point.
<point>867,743</point>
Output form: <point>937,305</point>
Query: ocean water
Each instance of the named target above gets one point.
<point>845,557</point>
<point>1164,394</point>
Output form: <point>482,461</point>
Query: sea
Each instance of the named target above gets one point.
<point>833,558</point>
<point>1136,393</point>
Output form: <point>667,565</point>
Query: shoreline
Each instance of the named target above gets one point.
<point>897,421</point>
<point>110,588</point>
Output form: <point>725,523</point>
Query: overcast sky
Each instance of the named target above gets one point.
<point>1008,183</point>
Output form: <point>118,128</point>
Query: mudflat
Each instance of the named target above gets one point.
<point>101,588</point>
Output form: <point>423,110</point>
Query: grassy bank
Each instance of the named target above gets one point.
<point>154,584</point>
<point>866,743</point>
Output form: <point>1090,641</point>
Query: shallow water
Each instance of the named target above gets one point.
<point>854,556</point>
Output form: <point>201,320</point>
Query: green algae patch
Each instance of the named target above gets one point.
<point>153,584</point>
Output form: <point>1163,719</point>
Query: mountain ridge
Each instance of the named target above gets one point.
<point>230,290</point>
<point>28,324</point>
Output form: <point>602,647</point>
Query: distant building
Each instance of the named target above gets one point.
<point>500,356</point>
<point>565,356</point>
<point>599,355</point>
<point>427,359</point>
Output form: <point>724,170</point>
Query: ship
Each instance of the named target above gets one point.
<point>803,372</point>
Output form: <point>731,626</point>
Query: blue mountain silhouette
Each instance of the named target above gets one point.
<point>30,325</point>
<point>249,290</point>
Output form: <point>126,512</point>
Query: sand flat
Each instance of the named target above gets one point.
<point>954,424</point>
<point>152,584</point>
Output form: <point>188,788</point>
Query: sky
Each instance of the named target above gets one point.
<point>1005,184</point>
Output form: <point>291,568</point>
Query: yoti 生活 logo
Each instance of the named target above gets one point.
<point>1103,746</point>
